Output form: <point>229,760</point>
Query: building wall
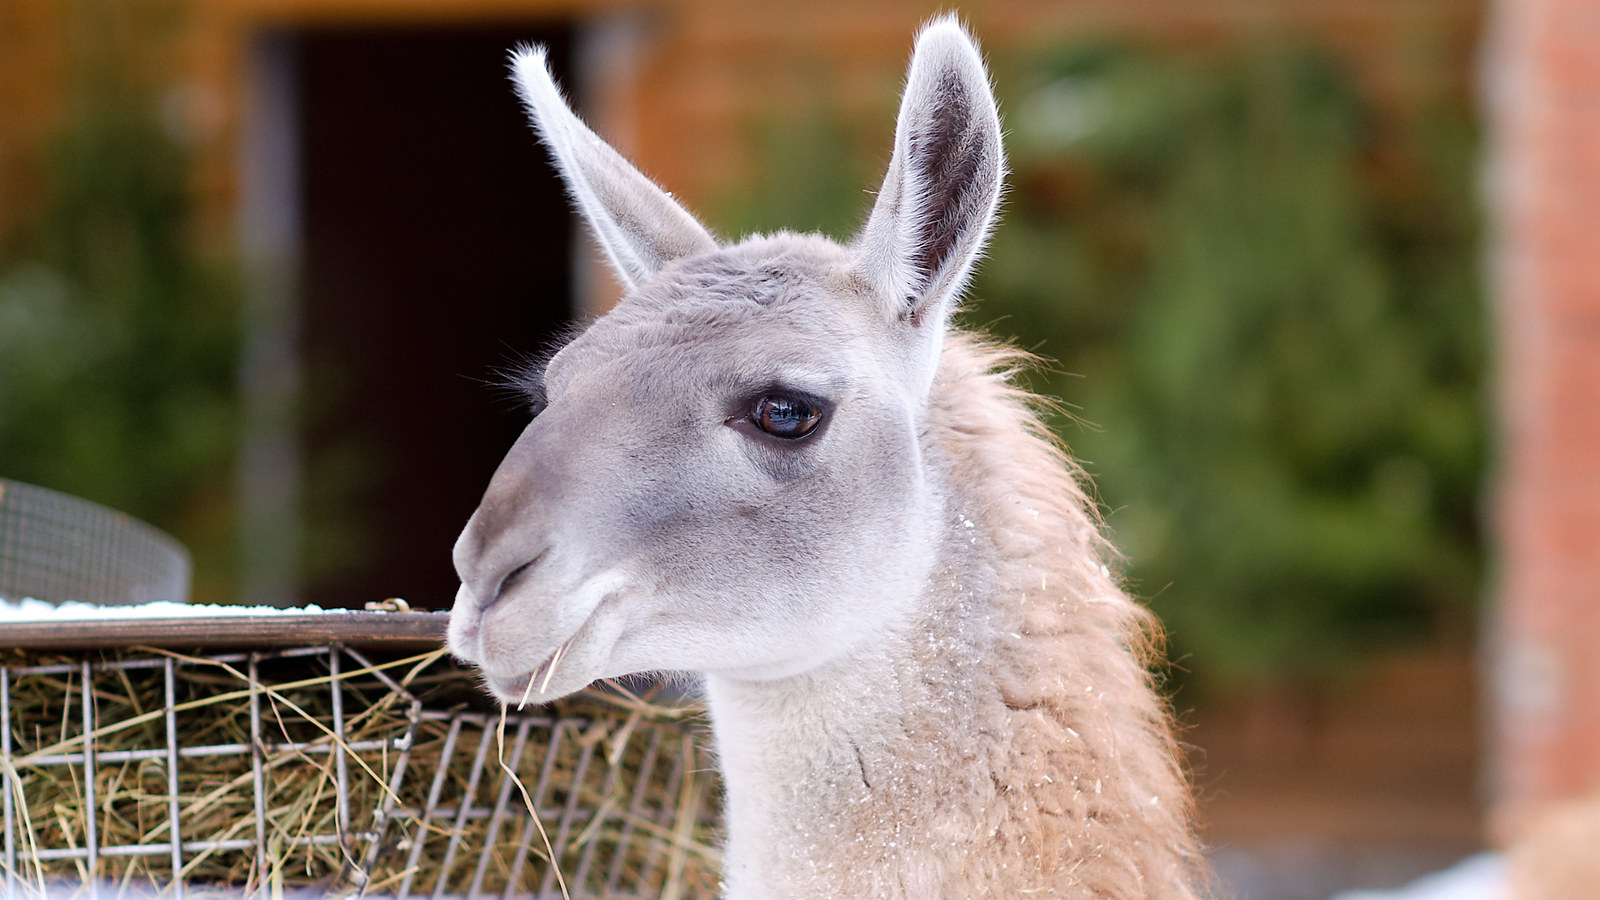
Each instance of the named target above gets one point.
<point>678,83</point>
<point>701,69</point>
<point>1544,78</point>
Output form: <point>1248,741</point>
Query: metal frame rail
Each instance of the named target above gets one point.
<point>369,838</point>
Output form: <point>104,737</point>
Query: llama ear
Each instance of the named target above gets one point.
<point>939,197</point>
<point>638,224</point>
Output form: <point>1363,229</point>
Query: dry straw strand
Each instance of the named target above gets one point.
<point>619,819</point>
<point>533,813</point>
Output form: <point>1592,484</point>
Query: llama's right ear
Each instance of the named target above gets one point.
<point>638,224</point>
<point>939,197</point>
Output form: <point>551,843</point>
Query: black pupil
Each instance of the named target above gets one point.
<point>786,417</point>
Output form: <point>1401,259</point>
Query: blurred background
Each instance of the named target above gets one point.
<point>1309,277</point>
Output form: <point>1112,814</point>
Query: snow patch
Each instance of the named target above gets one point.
<point>29,609</point>
<point>1481,877</point>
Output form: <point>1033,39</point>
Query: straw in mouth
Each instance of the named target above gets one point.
<point>549,670</point>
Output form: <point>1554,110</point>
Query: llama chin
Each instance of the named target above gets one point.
<point>836,509</point>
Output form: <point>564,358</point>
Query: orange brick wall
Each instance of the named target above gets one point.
<point>30,76</point>
<point>1544,81</point>
<point>705,68</point>
<point>717,62</point>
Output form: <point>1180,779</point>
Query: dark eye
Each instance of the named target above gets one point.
<point>786,417</point>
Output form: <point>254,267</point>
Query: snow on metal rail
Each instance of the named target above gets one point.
<point>333,767</point>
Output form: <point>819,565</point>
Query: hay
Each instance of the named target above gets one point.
<point>323,768</point>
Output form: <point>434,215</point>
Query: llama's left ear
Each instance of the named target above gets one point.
<point>938,201</point>
<point>638,224</point>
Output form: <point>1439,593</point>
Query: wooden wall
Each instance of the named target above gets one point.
<point>678,83</point>
<point>698,71</point>
<point>1544,78</point>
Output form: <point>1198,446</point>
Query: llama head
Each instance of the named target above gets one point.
<point>725,473</point>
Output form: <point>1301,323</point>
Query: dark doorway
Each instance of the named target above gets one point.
<point>436,250</point>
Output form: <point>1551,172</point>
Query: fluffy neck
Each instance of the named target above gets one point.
<point>1005,741</point>
<point>840,782</point>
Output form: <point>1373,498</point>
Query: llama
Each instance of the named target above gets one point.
<point>777,464</point>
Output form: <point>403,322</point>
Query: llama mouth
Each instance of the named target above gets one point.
<point>539,685</point>
<point>579,627</point>
<point>542,674</point>
<point>563,671</point>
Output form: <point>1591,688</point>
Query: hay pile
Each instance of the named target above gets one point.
<point>330,769</point>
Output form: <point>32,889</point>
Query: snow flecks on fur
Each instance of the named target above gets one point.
<point>1007,741</point>
<point>924,681</point>
<point>1087,785</point>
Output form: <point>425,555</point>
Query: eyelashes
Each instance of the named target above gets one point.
<point>523,379</point>
<point>521,383</point>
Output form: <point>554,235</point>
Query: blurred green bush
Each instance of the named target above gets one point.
<point>1266,290</point>
<point>118,339</point>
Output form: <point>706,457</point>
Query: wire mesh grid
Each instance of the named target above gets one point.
<point>319,769</point>
<point>57,547</point>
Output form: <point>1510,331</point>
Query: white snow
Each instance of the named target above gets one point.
<point>1481,877</point>
<point>29,609</point>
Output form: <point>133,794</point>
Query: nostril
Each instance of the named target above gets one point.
<point>510,580</point>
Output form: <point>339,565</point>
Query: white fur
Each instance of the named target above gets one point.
<point>637,224</point>
<point>923,681</point>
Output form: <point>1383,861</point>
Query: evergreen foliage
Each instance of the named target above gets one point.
<point>117,341</point>
<point>1267,295</point>
<point>1272,294</point>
